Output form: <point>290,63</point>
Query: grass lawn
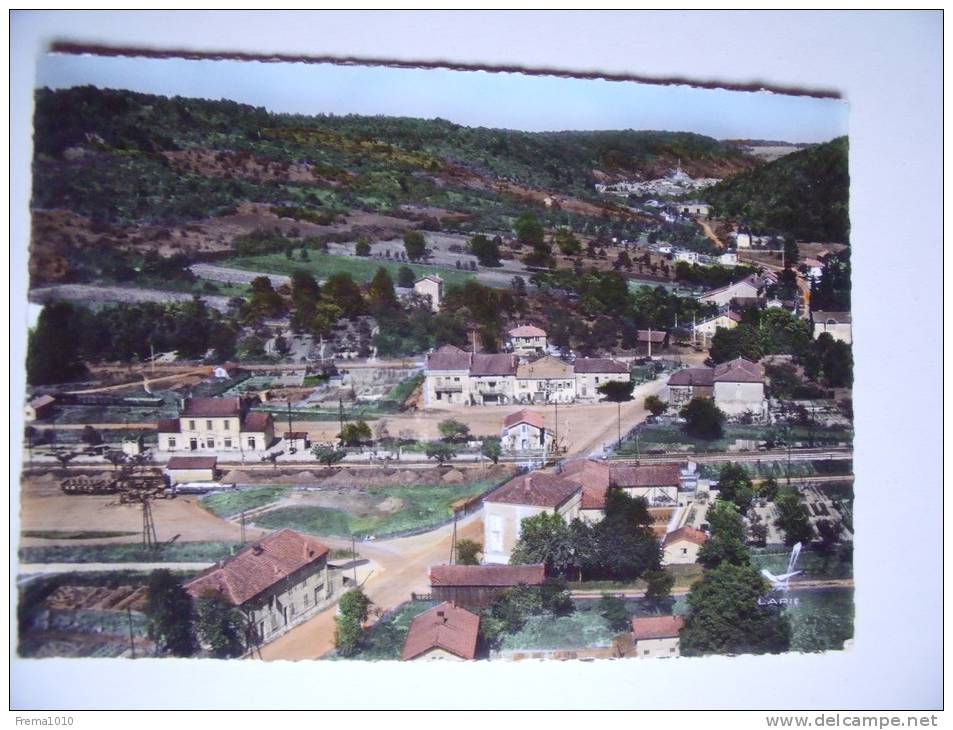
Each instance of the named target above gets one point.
<point>423,506</point>
<point>822,620</point>
<point>75,534</point>
<point>385,639</point>
<point>323,265</point>
<point>671,437</point>
<point>229,504</point>
<point>814,565</point>
<point>177,552</point>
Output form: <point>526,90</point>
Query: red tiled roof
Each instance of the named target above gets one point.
<point>538,490</point>
<point>448,357</point>
<point>257,422</point>
<point>739,370</point>
<point>192,462</point>
<point>533,418</point>
<point>169,425</point>
<point>751,280</point>
<point>599,365</point>
<point>701,377</point>
<point>686,533</point>
<point>527,330</point>
<point>258,567</point>
<point>212,407</point>
<point>646,475</point>
<point>446,627</point>
<point>487,575</point>
<point>487,364</point>
<point>657,627</point>
<point>594,496</point>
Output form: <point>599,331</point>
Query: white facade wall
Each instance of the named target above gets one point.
<point>657,648</point>
<point>680,552</point>
<point>840,331</point>
<point>737,398</point>
<point>502,525</point>
<point>587,384</point>
<point>446,388</point>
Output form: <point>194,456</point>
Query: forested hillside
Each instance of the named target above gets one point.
<point>123,157</point>
<point>804,194</point>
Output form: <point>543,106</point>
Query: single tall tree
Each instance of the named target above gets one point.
<point>169,614</point>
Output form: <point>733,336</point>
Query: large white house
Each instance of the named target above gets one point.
<point>737,387</point>
<point>457,377</point>
<point>217,424</point>
<point>524,496</point>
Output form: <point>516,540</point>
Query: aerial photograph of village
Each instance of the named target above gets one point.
<point>363,363</point>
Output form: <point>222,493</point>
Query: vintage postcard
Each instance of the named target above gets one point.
<point>361,363</point>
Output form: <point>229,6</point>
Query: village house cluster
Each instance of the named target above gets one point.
<point>457,377</point>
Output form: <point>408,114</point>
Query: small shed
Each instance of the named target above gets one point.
<point>192,469</point>
<point>39,408</point>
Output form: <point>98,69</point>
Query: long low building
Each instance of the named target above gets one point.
<point>457,377</point>
<point>217,424</point>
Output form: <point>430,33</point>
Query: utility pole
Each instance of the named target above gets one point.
<point>354,559</point>
<point>243,527</point>
<point>453,541</point>
<point>290,429</point>
<point>341,418</point>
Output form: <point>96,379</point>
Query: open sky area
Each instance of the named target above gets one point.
<point>472,98</point>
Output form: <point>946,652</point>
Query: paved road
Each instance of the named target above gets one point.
<point>109,294</point>
<point>229,275</point>
<point>397,568</point>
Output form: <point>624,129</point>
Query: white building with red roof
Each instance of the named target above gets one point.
<point>526,495</point>
<point>527,340</point>
<point>217,424</point>
<point>681,546</point>
<point>277,582</point>
<point>445,632</point>
<point>525,431</point>
<point>657,636</point>
<point>737,387</point>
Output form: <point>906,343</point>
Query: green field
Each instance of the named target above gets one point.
<point>423,506</point>
<point>822,620</point>
<point>814,565</point>
<point>323,265</point>
<point>229,504</point>
<point>385,639</point>
<point>672,438</point>
<point>177,552</point>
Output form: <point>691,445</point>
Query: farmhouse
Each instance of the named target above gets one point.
<point>657,636</point>
<point>478,586</point>
<point>430,286</point>
<point>217,424</point>
<point>277,582</point>
<point>182,469</point>
<point>445,632</point>
<point>748,288</point>
<point>448,377</point>
<point>681,546</point>
<point>525,430</point>
<point>688,383</point>
<point>836,324</point>
<point>524,496</point>
<point>527,340</point>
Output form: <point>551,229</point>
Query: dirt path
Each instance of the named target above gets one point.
<point>204,372</point>
<point>710,233</point>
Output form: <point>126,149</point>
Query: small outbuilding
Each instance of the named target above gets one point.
<point>657,636</point>
<point>445,632</point>
<point>183,469</point>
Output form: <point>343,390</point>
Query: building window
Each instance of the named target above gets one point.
<point>228,443</point>
<point>191,425</point>
<point>684,551</point>
<point>645,652</point>
<point>226,424</point>
<point>251,442</point>
<point>171,443</point>
<point>261,630</point>
<point>208,425</point>
<point>210,443</point>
